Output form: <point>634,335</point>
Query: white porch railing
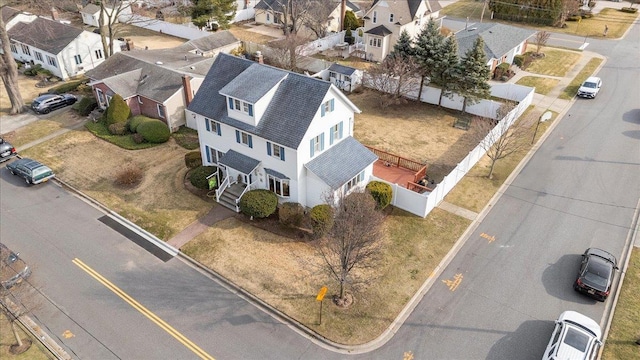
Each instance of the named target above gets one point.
<point>223,186</point>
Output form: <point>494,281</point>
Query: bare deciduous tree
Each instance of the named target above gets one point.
<point>541,40</point>
<point>9,72</point>
<point>317,16</point>
<point>395,78</point>
<point>285,53</point>
<point>498,137</point>
<point>354,240</point>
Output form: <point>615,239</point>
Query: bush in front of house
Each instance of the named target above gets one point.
<point>135,121</point>
<point>198,176</point>
<point>381,193</point>
<point>321,219</point>
<point>86,105</point>
<point>36,70</point>
<point>154,131</point>
<point>118,110</point>
<point>291,214</point>
<point>259,203</point>
<point>137,138</point>
<point>193,159</point>
<point>118,129</point>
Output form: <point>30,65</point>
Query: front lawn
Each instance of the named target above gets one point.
<point>542,85</point>
<point>556,62</point>
<point>570,91</point>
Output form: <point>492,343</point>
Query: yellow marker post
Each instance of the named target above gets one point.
<point>320,297</point>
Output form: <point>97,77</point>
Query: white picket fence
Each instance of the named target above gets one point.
<point>422,204</point>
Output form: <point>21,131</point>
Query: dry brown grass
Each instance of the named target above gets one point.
<point>28,90</point>
<point>242,33</point>
<point>160,204</point>
<point>417,131</point>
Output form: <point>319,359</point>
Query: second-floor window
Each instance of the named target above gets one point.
<point>25,49</point>
<point>375,17</point>
<point>38,56</point>
<point>326,107</point>
<point>239,105</point>
<point>78,59</point>
<point>335,133</point>
<point>51,61</point>
<point>276,151</point>
<point>390,18</point>
<point>244,138</point>
<point>213,126</point>
<point>98,54</point>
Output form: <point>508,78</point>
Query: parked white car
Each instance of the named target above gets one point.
<point>590,88</point>
<point>575,337</point>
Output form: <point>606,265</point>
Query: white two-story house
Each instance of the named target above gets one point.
<point>386,19</point>
<point>266,128</point>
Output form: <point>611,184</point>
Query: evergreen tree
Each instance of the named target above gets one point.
<point>350,20</point>
<point>222,11</point>
<point>403,47</point>
<point>449,74</point>
<point>474,82</point>
<point>428,51</point>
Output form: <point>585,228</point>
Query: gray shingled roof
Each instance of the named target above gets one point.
<point>90,9</point>
<point>341,69</point>
<point>152,81</point>
<point>261,78</point>
<point>276,174</point>
<point>44,34</point>
<point>288,115</point>
<point>379,30</point>
<point>238,161</point>
<point>210,42</point>
<point>499,39</point>
<point>8,13</point>
<point>341,162</point>
<point>172,58</point>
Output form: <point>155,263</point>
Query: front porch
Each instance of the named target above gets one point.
<point>402,171</point>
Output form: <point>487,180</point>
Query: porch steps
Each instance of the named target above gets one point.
<point>230,195</point>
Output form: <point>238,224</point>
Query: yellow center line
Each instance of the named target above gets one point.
<point>136,305</point>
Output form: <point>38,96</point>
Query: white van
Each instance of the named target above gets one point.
<point>575,337</point>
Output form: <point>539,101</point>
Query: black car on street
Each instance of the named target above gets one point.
<point>596,273</point>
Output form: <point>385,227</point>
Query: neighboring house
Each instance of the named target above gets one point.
<point>160,89</point>
<point>343,77</point>
<point>64,50</point>
<point>501,42</point>
<point>266,128</point>
<point>91,12</point>
<point>386,19</point>
<point>333,23</point>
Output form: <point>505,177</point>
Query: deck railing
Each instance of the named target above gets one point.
<point>399,161</point>
<point>418,188</point>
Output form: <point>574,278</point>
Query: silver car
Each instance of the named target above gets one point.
<point>7,151</point>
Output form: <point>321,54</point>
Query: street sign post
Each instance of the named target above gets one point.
<point>319,298</point>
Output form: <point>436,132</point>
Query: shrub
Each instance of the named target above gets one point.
<point>381,192</point>
<point>86,105</point>
<point>518,60</point>
<point>193,159</point>
<point>135,121</point>
<point>154,131</point>
<point>574,18</point>
<point>137,138</point>
<point>118,129</point>
<point>258,203</point>
<point>67,87</point>
<point>348,37</point>
<point>129,176</point>
<point>291,214</point>
<point>215,27</point>
<point>118,110</point>
<point>198,176</point>
<point>37,69</point>
<point>321,219</point>
<point>350,20</point>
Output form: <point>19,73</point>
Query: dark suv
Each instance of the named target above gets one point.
<point>31,171</point>
<point>7,151</point>
<point>596,273</point>
<point>12,269</point>
<point>46,103</point>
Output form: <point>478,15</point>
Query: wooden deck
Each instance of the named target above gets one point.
<point>393,174</point>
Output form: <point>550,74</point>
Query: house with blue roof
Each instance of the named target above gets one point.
<point>266,128</point>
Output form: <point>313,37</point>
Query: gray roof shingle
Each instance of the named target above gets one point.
<point>499,39</point>
<point>341,69</point>
<point>379,30</point>
<point>261,78</point>
<point>288,115</point>
<point>341,162</point>
<point>90,9</point>
<point>8,13</point>
<point>240,162</point>
<point>210,42</point>
<point>44,34</point>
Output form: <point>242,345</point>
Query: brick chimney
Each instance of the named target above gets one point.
<point>54,14</point>
<point>186,86</point>
<point>258,57</point>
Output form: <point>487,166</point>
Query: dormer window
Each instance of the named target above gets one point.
<point>239,105</point>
